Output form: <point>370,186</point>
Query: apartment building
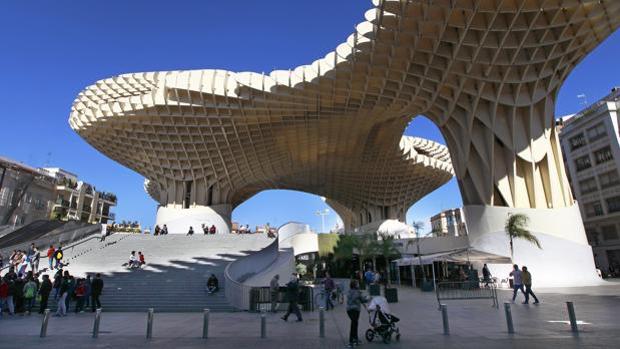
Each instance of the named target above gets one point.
<point>591,145</point>
<point>449,223</point>
<point>28,194</point>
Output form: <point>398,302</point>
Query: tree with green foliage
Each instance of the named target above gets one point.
<point>516,228</point>
<point>366,247</point>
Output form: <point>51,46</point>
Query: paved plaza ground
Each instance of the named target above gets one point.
<point>473,324</point>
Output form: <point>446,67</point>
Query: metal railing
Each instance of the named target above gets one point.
<point>260,298</point>
<point>449,290</point>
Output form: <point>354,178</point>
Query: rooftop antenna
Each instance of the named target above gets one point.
<point>48,159</point>
<point>583,99</point>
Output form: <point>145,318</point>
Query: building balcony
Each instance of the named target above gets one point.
<point>108,197</point>
<point>62,203</point>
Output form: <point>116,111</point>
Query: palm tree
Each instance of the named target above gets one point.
<point>386,248</point>
<point>516,228</point>
<point>417,226</point>
<point>366,248</point>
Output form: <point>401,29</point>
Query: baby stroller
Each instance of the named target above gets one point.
<point>382,322</point>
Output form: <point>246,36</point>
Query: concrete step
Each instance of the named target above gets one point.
<point>175,275</point>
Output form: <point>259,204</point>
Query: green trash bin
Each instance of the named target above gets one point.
<point>391,294</point>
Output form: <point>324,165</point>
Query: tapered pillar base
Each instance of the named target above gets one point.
<point>565,259</point>
<point>178,220</point>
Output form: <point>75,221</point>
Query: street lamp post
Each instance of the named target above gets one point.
<point>322,213</point>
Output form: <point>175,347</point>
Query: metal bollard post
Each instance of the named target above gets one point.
<point>322,322</point>
<point>444,316</point>
<point>508,312</point>
<point>46,319</point>
<point>263,325</point>
<point>149,323</point>
<point>205,324</point>
<point>572,317</point>
<point>96,325</point>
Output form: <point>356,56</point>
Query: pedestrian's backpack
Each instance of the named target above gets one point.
<point>29,291</point>
<point>59,254</point>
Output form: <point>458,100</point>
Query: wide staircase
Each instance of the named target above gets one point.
<point>174,277</point>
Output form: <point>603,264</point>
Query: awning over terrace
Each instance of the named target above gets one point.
<point>455,256</point>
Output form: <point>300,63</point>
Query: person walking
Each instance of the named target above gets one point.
<point>517,282</point>
<point>292,293</point>
<point>44,292</point>
<point>486,275</point>
<point>57,283</point>
<point>354,305</point>
<point>30,292</point>
<point>50,256</point>
<point>274,288</point>
<point>58,255</point>
<point>34,260</point>
<point>527,282</point>
<point>64,292</point>
<point>96,290</point>
<point>329,286</point>
<point>191,231</point>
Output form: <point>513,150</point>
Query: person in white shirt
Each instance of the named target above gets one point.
<point>517,282</point>
<point>133,262</point>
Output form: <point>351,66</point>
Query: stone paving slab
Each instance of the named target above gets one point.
<point>473,324</point>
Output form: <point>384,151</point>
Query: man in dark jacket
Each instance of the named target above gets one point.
<point>292,293</point>
<point>18,295</point>
<point>96,289</point>
<point>44,291</point>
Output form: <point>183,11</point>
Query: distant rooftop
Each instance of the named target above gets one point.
<point>613,96</point>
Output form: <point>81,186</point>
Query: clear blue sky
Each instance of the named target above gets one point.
<point>51,50</point>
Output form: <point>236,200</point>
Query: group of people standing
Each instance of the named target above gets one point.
<point>19,293</point>
<point>22,261</point>
<point>85,292</point>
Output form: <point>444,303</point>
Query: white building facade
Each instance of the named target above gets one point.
<point>591,145</point>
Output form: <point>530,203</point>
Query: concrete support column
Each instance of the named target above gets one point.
<point>178,220</point>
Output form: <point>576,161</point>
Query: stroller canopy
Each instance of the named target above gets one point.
<point>381,302</point>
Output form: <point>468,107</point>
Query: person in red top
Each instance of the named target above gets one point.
<point>4,295</point>
<point>80,292</point>
<point>50,255</point>
<point>141,257</point>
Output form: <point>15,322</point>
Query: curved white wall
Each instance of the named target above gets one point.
<point>299,237</point>
<point>565,258</point>
<point>178,220</point>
